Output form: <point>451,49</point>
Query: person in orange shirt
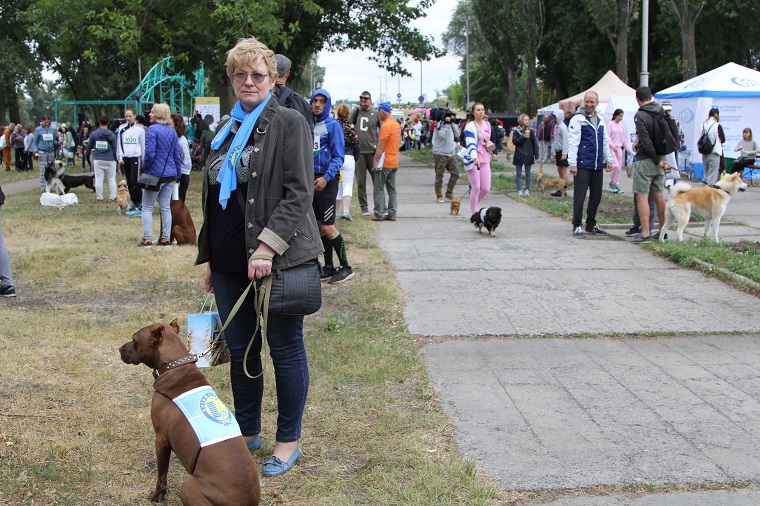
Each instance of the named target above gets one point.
<point>8,146</point>
<point>385,172</point>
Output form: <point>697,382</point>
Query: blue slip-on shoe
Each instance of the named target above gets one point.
<point>276,467</point>
<point>255,443</point>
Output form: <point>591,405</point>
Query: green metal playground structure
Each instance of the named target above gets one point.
<point>160,84</point>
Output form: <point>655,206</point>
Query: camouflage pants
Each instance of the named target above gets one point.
<point>445,164</point>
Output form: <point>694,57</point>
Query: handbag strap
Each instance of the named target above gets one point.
<point>261,305</point>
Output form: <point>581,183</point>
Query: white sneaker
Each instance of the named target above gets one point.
<point>519,193</point>
<point>526,192</point>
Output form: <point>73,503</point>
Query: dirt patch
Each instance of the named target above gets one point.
<point>752,248</point>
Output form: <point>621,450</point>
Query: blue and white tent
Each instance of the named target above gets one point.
<point>733,89</point>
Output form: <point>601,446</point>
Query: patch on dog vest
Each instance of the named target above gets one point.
<point>483,213</point>
<point>210,418</point>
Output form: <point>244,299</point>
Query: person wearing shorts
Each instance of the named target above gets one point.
<point>649,168</point>
<point>329,154</point>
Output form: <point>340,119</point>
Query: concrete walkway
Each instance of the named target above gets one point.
<point>544,403</point>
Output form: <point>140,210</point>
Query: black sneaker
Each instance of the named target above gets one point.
<point>558,193</point>
<point>342,274</point>
<point>328,272</point>
<point>633,231</point>
<point>595,231</point>
<point>365,211</point>
<point>8,291</point>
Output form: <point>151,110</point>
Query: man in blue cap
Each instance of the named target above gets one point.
<point>385,164</point>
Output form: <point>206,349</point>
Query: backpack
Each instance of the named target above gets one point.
<point>3,141</point>
<point>704,144</point>
<point>665,135</point>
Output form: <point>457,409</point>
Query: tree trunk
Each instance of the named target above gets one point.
<point>621,39</point>
<point>688,11</point>
<point>2,105</point>
<point>511,102</point>
<point>688,49</point>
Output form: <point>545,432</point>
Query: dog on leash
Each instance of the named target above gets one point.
<point>55,178</point>
<point>183,228</point>
<point>545,184</point>
<point>488,217</point>
<point>122,197</point>
<point>221,469</point>
<point>712,201</point>
<point>455,205</point>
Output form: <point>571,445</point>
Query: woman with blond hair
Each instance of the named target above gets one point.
<point>749,150</point>
<point>258,188</point>
<point>346,185</point>
<point>162,159</point>
<point>477,160</point>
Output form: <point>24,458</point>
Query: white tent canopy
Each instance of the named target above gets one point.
<point>610,84</point>
<point>733,89</point>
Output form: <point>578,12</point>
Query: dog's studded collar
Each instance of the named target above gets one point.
<point>187,359</point>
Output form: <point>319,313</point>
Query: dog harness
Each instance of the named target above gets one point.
<point>210,418</point>
<point>483,214</point>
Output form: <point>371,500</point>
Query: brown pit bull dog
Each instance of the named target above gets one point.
<point>183,228</point>
<point>221,473</point>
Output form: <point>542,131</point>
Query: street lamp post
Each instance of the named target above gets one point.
<point>644,78</point>
<point>467,55</point>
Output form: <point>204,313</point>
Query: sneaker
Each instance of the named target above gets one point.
<point>388,217</point>
<point>519,193</point>
<point>376,218</point>
<point>619,189</point>
<point>578,232</point>
<point>131,208</point>
<point>558,193</point>
<point>612,188</point>
<point>342,274</point>
<point>8,291</point>
<point>134,212</point>
<point>656,236</point>
<point>640,238</point>
<point>595,231</point>
<point>449,197</point>
<point>346,216</point>
<point>633,231</point>
<point>439,200</point>
<point>526,193</point>
<point>164,242</point>
<point>328,271</point>
<point>365,211</point>
<point>145,243</point>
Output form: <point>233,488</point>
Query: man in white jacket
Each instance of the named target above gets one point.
<point>130,147</point>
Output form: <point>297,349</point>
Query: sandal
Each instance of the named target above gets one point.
<point>164,242</point>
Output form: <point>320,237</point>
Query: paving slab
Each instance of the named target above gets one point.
<point>545,405</point>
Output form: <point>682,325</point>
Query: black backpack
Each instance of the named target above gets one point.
<point>665,135</point>
<point>704,144</point>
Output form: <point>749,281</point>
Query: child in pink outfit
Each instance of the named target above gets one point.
<point>618,142</point>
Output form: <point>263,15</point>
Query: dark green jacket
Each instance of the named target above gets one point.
<point>278,205</point>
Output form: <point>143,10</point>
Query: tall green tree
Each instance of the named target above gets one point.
<point>19,62</point>
<point>613,18</point>
<point>688,11</point>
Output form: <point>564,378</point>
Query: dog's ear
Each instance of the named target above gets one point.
<point>157,334</point>
<point>175,326</point>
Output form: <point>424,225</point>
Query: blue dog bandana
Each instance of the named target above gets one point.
<point>207,414</point>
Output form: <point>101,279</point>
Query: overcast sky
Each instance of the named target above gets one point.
<point>349,73</point>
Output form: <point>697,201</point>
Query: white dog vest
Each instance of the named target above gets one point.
<point>210,418</point>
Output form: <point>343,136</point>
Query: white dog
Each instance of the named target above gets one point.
<point>711,201</point>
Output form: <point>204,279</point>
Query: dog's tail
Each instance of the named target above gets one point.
<point>680,188</point>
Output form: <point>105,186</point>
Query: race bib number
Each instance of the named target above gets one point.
<point>101,145</point>
<point>47,137</point>
<point>316,144</point>
<point>130,140</point>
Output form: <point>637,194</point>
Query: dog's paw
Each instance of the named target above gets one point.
<point>158,496</point>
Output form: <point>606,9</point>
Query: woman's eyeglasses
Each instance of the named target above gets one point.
<point>242,77</point>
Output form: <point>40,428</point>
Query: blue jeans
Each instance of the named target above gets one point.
<point>518,175</point>
<point>164,195</point>
<point>286,347</point>
<point>6,276</point>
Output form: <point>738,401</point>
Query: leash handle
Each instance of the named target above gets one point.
<point>261,306</point>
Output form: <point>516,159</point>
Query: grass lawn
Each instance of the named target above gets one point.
<point>76,423</point>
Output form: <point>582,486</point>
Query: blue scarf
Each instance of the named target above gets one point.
<point>227,177</point>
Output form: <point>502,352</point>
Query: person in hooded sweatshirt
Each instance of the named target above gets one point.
<point>102,147</point>
<point>329,154</point>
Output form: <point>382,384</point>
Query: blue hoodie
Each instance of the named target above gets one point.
<point>329,148</point>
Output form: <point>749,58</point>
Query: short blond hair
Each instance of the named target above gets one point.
<point>520,119</point>
<point>246,53</point>
<point>162,114</point>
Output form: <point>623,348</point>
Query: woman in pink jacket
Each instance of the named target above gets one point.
<point>618,142</point>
